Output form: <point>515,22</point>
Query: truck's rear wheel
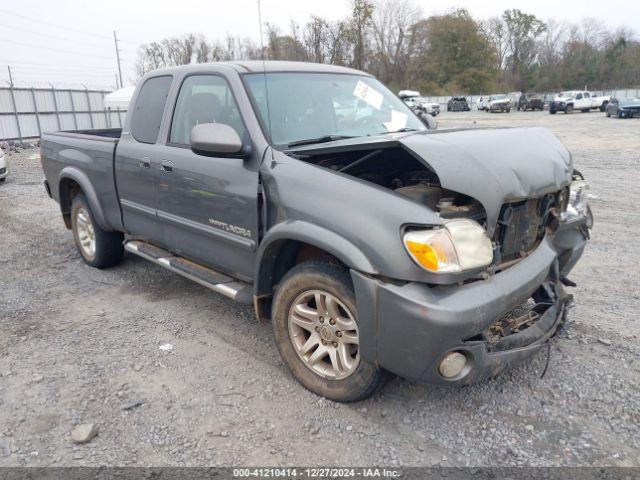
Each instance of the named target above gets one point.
<point>97,247</point>
<point>316,331</point>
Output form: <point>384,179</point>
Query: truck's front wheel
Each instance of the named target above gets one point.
<point>316,331</point>
<point>99,248</point>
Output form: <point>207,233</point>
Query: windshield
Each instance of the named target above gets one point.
<point>306,106</point>
<point>499,97</point>
<point>630,101</point>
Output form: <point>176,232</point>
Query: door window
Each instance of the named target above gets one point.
<point>579,96</point>
<point>147,113</point>
<point>204,99</point>
<point>587,95</point>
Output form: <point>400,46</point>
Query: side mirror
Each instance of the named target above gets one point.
<point>428,121</point>
<point>216,139</point>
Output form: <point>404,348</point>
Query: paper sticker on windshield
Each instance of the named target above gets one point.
<point>398,121</point>
<point>369,95</point>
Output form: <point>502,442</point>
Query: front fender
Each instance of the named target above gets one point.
<point>81,178</point>
<point>301,231</point>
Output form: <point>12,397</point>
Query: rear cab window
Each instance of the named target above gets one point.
<point>149,108</point>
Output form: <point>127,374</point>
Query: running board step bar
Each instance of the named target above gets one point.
<point>207,277</point>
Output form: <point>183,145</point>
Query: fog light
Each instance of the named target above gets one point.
<point>452,364</point>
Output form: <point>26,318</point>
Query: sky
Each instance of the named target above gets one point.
<point>68,42</point>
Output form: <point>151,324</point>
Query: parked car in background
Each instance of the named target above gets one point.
<point>458,104</point>
<point>581,100</point>
<point>418,103</point>
<point>530,101</point>
<point>481,104</point>
<point>498,103</point>
<point>4,167</point>
<point>370,243</point>
<point>623,107</point>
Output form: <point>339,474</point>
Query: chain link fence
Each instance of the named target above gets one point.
<point>26,112</point>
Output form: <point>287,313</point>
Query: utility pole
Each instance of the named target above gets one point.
<point>115,40</point>
<point>10,77</point>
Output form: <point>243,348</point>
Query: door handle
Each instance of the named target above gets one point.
<point>144,163</point>
<point>166,166</point>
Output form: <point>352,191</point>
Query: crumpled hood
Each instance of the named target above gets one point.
<point>562,99</point>
<point>495,166</point>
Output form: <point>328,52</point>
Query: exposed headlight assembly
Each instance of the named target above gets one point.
<point>578,199</point>
<point>459,245</point>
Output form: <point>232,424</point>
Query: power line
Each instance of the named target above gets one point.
<point>54,66</point>
<point>64,27</point>
<point>39,47</point>
<point>32,19</point>
<point>48,35</point>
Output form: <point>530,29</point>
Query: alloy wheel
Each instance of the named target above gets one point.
<point>324,334</point>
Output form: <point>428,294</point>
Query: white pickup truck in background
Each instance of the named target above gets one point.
<point>581,100</point>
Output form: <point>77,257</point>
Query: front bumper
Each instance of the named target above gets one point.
<point>412,326</point>
<point>499,106</point>
<point>630,112</point>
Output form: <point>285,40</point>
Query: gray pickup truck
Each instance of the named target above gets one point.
<point>372,244</point>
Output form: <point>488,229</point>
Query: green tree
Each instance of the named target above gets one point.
<point>457,55</point>
<point>522,31</point>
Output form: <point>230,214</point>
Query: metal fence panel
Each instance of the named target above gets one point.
<point>66,121</point>
<point>96,101</point>
<point>48,123</point>
<point>29,126</point>
<point>24,100</point>
<point>8,128</point>
<point>6,104</point>
<point>80,101</point>
<point>64,100</point>
<point>44,100</point>
<point>99,120</point>
<point>26,112</point>
<point>84,121</point>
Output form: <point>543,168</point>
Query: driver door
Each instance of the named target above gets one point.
<point>208,205</point>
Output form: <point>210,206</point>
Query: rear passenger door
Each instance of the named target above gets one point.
<point>208,206</point>
<point>138,158</point>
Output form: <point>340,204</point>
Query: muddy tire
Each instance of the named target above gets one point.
<point>315,327</point>
<point>98,248</point>
<point>568,109</point>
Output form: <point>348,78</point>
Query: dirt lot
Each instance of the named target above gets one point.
<point>78,344</point>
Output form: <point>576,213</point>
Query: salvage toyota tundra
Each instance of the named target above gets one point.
<point>371,243</point>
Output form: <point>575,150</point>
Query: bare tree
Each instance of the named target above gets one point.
<point>438,54</point>
<point>392,21</point>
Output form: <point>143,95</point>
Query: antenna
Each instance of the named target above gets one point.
<point>264,76</point>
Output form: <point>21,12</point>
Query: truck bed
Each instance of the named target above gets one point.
<point>88,157</point>
<point>94,133</point>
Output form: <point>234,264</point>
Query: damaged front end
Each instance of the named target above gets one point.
<point>452,320</point>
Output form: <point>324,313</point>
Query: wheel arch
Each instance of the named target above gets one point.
<point>72,181</point>
<point>290,243</point>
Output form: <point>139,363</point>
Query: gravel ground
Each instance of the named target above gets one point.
<point>79,344</point>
